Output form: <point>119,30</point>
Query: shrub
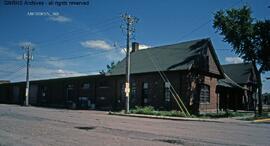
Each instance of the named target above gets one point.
<point>149,110</point>
<point>143,110</point>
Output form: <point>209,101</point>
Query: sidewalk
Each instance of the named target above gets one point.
<point>218,120</point>
<point>267,120</point>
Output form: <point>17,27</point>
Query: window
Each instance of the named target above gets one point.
<point>205,93</point>
<point>133,89</point>
<point>167,93</point>
<point>122,95</point>
<point>145,93</point>
<point>70,86</point>
<point>145,85</point>
<point>70,92</point>
<point>104,84</point>
<point>43,91</point>
<point>122,90</point>
<point>85,86</point>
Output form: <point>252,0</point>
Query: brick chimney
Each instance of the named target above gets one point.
<point>135,47</point>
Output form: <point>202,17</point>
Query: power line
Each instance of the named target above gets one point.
<point>10,60</point>
<point>204,24</point>
<point>66,73</point>
<point>72,36</point>
<point>195,29</point>
<point>164,77</point>
<point>15,71</point>
<point>66,40</point>
<point>111,21</point>
<point>18,76</point>
<point>80,32</point>
<point>79,56</point>
<point>57,36</point>
<point>5,71</point>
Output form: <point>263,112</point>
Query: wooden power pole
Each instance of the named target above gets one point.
<point>27,56</point>
<point>130,21</point>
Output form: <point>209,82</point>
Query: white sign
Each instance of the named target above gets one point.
<point>127,89</point>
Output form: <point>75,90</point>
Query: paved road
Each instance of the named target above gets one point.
<point>42,126</point>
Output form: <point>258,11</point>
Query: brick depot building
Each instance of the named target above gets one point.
<point>191,68</point>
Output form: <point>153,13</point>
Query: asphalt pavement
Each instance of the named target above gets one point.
<point>45,126</point>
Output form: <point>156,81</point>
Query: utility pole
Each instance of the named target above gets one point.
<point>130,21</point>
<point>27,56</point>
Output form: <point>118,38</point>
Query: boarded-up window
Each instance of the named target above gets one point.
<point>104,84</point>
<point>70,86</point>
<point>167,92</point>
<point>44,91</point>
<point>133,89</point>
<point>122,90</point>
<point>205,93</point>
<point>145,93</point>
<point>85,86</point>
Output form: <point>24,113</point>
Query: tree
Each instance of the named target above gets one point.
<point>109,68</point>
<point>248,38</point>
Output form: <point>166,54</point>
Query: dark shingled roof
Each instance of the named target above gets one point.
<point>179,56</point>
<point>229,83</point>
<point>239,73</point>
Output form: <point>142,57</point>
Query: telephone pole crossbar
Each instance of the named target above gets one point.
<point>129,21</point>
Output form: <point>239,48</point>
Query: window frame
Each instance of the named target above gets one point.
<point>167,92</point>
<point>87,87</point>
<point>206,91</point>
<point>133,89</point>
<point>145,92</point>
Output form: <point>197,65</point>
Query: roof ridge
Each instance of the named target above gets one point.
<point>236,63</point>
<point>161,46</point>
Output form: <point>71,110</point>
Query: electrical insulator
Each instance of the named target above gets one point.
<point>24,56</point>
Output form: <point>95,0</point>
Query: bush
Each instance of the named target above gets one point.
<point>149,110</point>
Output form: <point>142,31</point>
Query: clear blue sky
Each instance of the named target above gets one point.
<point>92,34</point>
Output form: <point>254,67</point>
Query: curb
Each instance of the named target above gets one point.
<point>263,120</point>
<point>166,117</point>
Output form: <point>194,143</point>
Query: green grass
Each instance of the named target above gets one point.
<point>257,117</point>
<point>149,110</point>
<point>223,115</point>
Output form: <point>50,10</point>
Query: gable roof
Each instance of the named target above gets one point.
<point>174,57</point>
<point>239,73</point>
<point>229,83</point>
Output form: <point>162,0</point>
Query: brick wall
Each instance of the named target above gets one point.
<point>212,105</point>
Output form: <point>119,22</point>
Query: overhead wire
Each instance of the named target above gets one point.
<point>86,54</point>
<point>172,90</point>
<point>79,56</point>
<point>72,57</point>
<point>165,78</point>
<point>73,36</point>
<point>204,24</point>
<point>15,71</point>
